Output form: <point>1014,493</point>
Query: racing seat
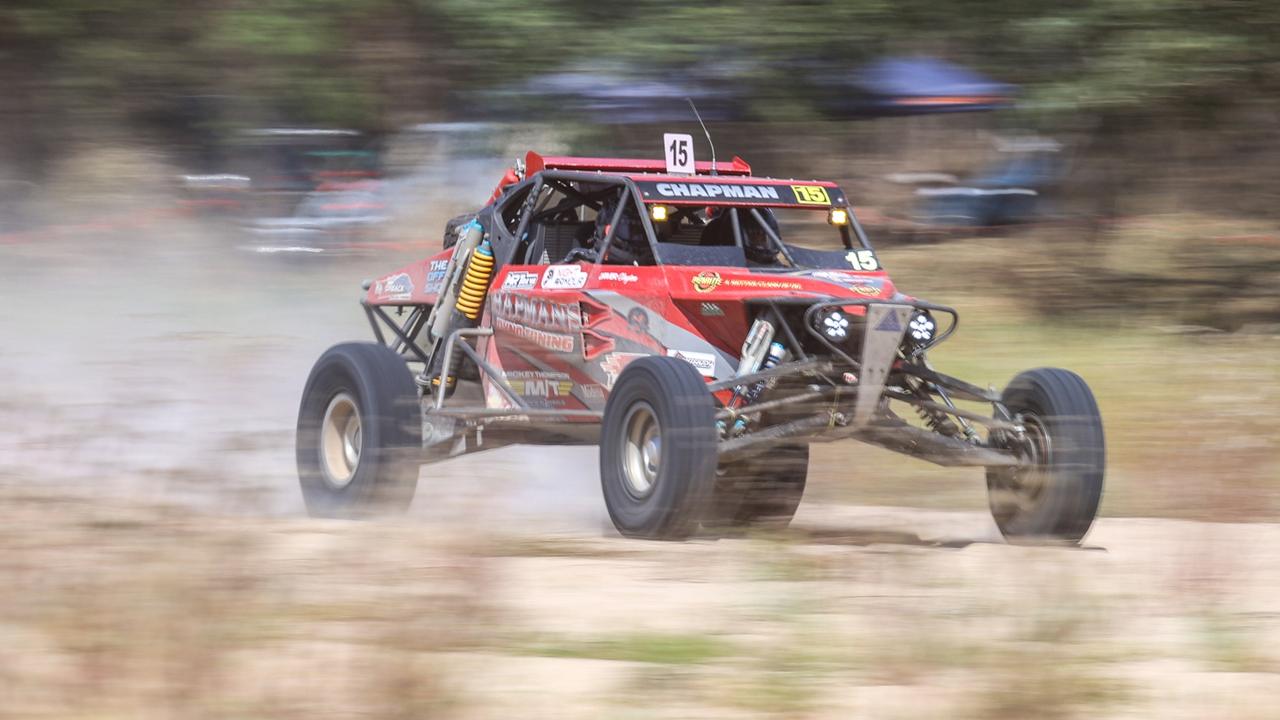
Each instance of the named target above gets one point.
<point>550,243</point>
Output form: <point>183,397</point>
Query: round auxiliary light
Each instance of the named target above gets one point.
<point>922,328</point>
<point>835,325</point>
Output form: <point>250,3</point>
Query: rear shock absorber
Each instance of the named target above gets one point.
<point>470,303</point>
<point>476,282</point>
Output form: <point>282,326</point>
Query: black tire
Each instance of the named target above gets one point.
<point>374,383</point>
<point>682,478</point>
<point>1056,496</point>
<point>761,491</point>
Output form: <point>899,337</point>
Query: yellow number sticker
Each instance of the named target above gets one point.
<point>811,194</point>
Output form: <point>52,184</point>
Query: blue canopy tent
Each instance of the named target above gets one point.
<point>920,86</point>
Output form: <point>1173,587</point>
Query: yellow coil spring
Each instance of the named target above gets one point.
<point>475,282</point>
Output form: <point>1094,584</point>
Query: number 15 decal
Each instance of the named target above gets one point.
<point>679,152</point>
<point>862,260</point>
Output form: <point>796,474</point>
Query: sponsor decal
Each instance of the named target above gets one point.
<point>540,385</point>
<point>715,190</point>
<point>520,280</point>
<point>564,277</point>
<point>536,312</point>
<point>592,392</point>
<point>862,286</point>
<point>638,319</point>
<point>890,323</point>
<point>539,321</point>
<point>710,309</point>
<point>622,277</point>
<point>394,287</point>
<point>435,276</point>
<point>762,284</point>
<point>704,363</point>
<point>706,281</point>
<point>811,194</point>
<point>862,260</point>
<point>613,363</point>
<point>549,340</point>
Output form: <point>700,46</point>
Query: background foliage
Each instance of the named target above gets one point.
<point>77,64</point>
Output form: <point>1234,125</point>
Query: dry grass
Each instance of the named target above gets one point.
<point>130,611</point>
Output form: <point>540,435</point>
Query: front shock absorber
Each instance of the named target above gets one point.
<point>935,420</point>
<point>476,282</point>
<point>743,397</point>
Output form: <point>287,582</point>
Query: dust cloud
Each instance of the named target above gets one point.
<point>166,363</point>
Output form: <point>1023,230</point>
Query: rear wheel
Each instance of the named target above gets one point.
<point>658,449</point>
<point>1055,494</point>
<point>359,433</point>
<point>763,490</point>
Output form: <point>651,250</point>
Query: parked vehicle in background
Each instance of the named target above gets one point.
<point>295,189</point>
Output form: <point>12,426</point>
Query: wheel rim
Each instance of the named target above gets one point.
<point>341,439</point>
<point>1025,484</point>
<point>641,450</point>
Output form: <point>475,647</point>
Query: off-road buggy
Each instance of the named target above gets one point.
<point>702,331</point>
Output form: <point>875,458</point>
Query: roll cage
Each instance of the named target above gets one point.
<point>526,204</point>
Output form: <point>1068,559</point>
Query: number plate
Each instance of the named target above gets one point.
<point>678,150</point>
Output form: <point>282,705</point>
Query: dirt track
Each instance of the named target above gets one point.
<point>158,564</point>
<point>119,609</point>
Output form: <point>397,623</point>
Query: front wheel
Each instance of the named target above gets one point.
<point>658,448</point>
<point>1054,495</point>
<point>359,433</point>
<point>762,491</point>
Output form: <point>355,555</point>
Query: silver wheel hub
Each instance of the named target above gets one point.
<point>1030,480</point>
<point>341,439</point>
<point>641,449</point>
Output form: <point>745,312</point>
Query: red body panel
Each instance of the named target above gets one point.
<point>563,333</point>
<point>417,283</point>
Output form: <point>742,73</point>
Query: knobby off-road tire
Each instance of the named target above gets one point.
<point>658,449</point>
<point>359,433</point>
<point>1055,496</point>
<point>761,491</point>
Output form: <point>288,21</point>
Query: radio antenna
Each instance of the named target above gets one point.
<point>704,132</point>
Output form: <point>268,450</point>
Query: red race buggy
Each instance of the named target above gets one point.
<point>703,329</point>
